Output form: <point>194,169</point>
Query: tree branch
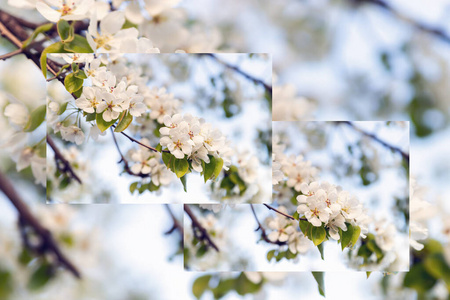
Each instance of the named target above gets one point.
<point>263,231</point>
<point>176,224</point>
<point>59,158</point>
<point>10,54</point>
<point>281,213</point>
<point>437,32</point>
<point>47,242</point>
<point>125,161</point>
<point>404,155</point>
<point>199,231</point>
<point>267,87</point>
<point>143,145</point>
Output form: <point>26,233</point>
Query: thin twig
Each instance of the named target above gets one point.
<point>437,32</point>
<point>263,231</point>
<point>143,145</point>
<point>404,155</point>
<point>124,160</point>
<point>267,87</point>
<point>47,242</point>
<point>281,213</point>
<point>60,158</point>
<point>176,224</point>
<point>10,54</point>
<point>198,228</point>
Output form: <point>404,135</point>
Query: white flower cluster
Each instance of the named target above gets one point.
<point>108,95</point>
<point>189,136</point>
<point>149,162</point>
<point>287,106</point>
<point>294,169</point>
<point>327,204</point>
<point>286,230</point>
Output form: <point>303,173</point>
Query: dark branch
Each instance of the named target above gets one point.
<point>176,224</point>
<point>263,231</point>
<point>404,155</point>
<point>124,160</point>
<point>47,242</point>
<point>60,160</point>
<point>267,87</point>
<point>437,32</point>
<point>199,231</point>
<point>281,213</point>
<point>143,145</point>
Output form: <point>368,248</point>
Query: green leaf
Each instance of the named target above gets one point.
<point>36,32</point>
<point>37,116</point>
<point>57,47</point>
<point>40,277</point>
<point>355,236</point>
<point>419,279</point>
<point>77,94</point>
<point>90,117</point>
<point>65,30</point>
<point>24,257</point>
<point>167,158</point>
<point>153,187</point>
<point>64,183</point>
<point>200,285</point>
<point>133,187</point>
<point>72,83</point>
<point>208,169</point>
<point>437,266</point>
<point>79,44</point>
<point>270,255</point>
<point>80,74</point>
<point>318,235</point>
<point>296,215</point>
<point>319,276</point>
<point>125,119</point>
<point>102,124</point>
<point>368,274</point>
<point>183,181</point>
<point>181,167</point>
<point>218,167</point>
<point>6,284</point>
<point>245,286</point>
<point>158,148</point>
<point>305,227</point>
<point>320,247</point>
<point>201,251</point>
<point>62,108</point>
<point>346,236</point>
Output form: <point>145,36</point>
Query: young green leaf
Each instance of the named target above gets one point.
<point>37,116</point>
<point>125,119</point>
<point>72,83</point>
<point>40,277</point>
<point>318,235</point>
<point>319,277</point>
<point>57,47</point>
<point>65,30</point>
<point>183,181</point>
<point>208,170</point>
<point>355,236</point>
<point>218,167</point>
<point>346,236</point>
<point>79,44</point>
<point>320,247</point>
<point>133,187</point>
<point>62,108</point>
<point>181,167</point>
<point>270,255</point>
<point>102,124</point>
<point>200,285</point>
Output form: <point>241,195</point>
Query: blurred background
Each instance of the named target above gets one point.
<point>349,60</point>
